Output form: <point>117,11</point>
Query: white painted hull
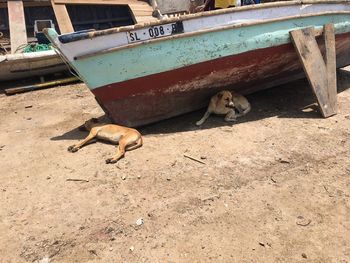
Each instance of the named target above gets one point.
<point>100,41</point>
<point>17,66</point>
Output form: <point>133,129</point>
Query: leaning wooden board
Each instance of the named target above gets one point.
<point>320,75</point>
<point>62,18</point>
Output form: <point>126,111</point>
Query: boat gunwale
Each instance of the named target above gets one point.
<point>209,30</point>
<point>93,34</point>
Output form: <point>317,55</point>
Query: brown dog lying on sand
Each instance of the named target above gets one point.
<point>226,103</point>
<point>128,138</point>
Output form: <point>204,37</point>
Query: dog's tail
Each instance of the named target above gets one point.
<point>138,144</point>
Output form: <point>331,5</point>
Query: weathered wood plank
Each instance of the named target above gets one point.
<point>62,18</point>
<point>314,66</point>
<point>142,15</point>
<point>28,3</point>
<point>18,32</point>
<point>329,39</point>
<point>100,2</point>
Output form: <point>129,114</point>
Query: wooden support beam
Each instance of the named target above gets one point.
<point>18,32</point>
<point>62,18</point>
<point>44,85</point>
<point>329,40</point>
<point>321,74</point>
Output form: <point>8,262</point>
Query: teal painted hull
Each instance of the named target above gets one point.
<point>153,58</point>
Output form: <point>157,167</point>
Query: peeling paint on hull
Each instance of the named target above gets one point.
<point>246,49</point>
<point>160,96</point>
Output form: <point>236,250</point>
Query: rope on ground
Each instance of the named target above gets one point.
<point>66,62</point>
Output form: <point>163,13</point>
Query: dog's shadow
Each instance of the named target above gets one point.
<point>74,134</point>
<point>78,133</point>
<point>292,100</point>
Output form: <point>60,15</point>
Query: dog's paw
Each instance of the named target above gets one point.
<point>198,123</point>
<point>72,149</point>
<point>111,160</point>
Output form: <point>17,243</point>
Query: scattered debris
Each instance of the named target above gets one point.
<point>273,180</point>
<point>329,194</point>
<point>93,251</point>
<point>139,177</point>
<point>211,198</point>
<point>283,161</point>
<point>150,215</point>
<point>2,147</point>
<point>71,170</point>
<point>44,251</point>
<point>203,157</point>
<point>131,248</point>
<point>262,244</point>
<point>302,221</point>
<point>303,255</point>
<point>18,131</point>
<point>139,221</point>
<point>77,180</point>
<point>194,159</point>
<point>123,177</point>
<point>28,106</point>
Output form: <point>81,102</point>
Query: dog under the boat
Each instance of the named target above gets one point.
<point>127,138</point>
<point>226,103</point>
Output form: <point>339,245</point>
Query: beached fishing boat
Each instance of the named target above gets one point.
<point>145,73</point>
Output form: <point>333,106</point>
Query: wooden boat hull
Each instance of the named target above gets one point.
<point>160,96</point>
<point>155,79</point>
<point>17,66</point>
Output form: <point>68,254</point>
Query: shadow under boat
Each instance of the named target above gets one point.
<point>292,100</point>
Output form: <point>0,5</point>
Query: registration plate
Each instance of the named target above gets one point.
<point>155,32</point>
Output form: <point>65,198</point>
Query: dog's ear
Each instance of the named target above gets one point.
<point>94,120</point>
<point>82,128</point>
<point>220,94</point>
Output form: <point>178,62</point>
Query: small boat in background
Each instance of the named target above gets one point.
<point>149,72</point>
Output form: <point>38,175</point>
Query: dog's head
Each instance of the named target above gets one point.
<point>225,97</point>
<point>88,124</point>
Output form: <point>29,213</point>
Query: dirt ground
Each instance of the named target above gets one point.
<point>273,187</point>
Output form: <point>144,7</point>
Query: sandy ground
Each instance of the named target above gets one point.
<point>274,187</point>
